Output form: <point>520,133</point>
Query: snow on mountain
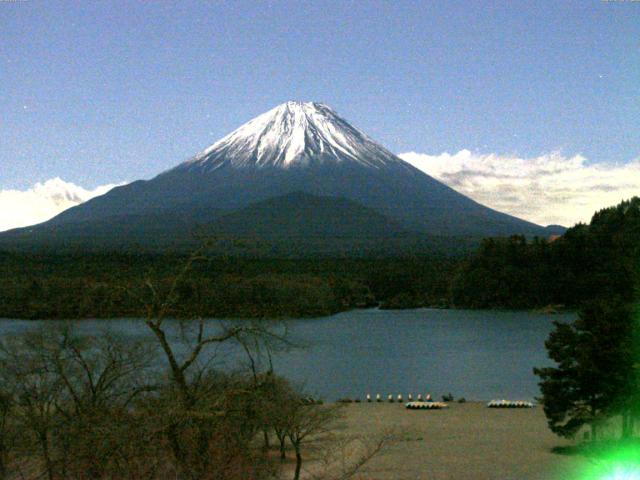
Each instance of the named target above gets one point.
<point>294,134</point>
<point>292,149</point>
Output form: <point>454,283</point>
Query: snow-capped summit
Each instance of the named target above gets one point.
<point>294,134</point>
<point>299,162</point>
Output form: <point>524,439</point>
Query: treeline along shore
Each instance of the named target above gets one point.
<point>110,285</point>
<point>514,273</point>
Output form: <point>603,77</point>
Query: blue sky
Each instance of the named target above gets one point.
<point>106,92</point>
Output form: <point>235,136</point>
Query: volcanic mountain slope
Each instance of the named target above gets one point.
<point>295,147</point>
<point>303,215</point>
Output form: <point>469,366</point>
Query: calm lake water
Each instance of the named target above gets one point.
<point>476,354</point>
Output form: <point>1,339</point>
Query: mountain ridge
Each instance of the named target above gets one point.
<point>296,147</point>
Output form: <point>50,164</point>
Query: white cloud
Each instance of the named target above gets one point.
<point>20,208</point>
<point>549,189</point>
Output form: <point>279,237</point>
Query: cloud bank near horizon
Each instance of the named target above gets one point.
<point>21,208</point>
<point>548,189</point>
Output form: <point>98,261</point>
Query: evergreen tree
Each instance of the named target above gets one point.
<point>594,376</point>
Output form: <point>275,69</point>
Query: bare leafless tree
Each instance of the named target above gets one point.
<point>186,372</point>
<point>98,406</point>
<point>307,422</point>
<point>7,431</point>
<point>36,393</point>
<point>68,391</point>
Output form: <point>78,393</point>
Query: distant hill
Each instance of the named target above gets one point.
<point>293,225</point>
<point>553,230</point>
<point>302,215</point>
<point>153,231</point>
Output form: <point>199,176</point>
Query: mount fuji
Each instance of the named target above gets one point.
<point>296,170</point>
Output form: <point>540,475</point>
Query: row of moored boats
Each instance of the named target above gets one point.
<point>509,404</point>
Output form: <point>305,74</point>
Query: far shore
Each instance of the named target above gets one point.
<point>547,310</point>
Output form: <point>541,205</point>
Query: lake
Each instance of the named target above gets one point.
<point>478,355</point>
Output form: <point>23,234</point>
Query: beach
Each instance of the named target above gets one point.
<point>464,441</point>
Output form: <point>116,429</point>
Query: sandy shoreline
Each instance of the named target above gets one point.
<point>465,441</point>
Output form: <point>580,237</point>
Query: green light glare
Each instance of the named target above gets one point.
<point>623,473</point>
<point>615,462</point>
